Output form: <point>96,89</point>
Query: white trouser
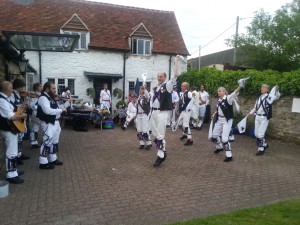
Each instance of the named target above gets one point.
<point>48,149</point>
<point>11,144</point>
<point>35,125</point>
<point>185,123</point>
<point>142,127</point>
<point>195,115</point>
<point>158,123</point>
<point>171,117</point>
<point>261,125</point>
<point>202,110</point>
<point>224,127</point>
<point>129,117</point>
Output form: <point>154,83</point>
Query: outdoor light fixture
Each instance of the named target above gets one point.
<point>23,63</point>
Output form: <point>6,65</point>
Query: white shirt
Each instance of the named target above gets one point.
<point>175,97</point>
<point>105,96</point>
<point>169,86</point>
<point>45,105</point>
<point>204,96</point>
<point>33,104</point>
<point>6,108</point>
<point>131,108</point>
<point>270,99</point>
<point>196,98</point>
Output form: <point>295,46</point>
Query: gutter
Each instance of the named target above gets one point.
<point>124,72</point>
<point>170,66</point>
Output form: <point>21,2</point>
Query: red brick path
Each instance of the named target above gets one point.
<point>105,179</point>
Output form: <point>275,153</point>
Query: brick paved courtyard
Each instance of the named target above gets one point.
<point>105,179</point>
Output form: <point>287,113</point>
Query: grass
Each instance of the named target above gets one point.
<point>282,213</point>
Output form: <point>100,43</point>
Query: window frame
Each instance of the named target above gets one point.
<point>66,84</point>
<point>135,46</point>
<point>78,45</point>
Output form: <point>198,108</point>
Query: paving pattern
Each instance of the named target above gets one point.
<point>105,179</point>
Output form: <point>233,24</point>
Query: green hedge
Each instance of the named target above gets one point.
<point>288,82</point>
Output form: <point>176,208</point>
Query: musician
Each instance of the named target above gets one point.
<point>131,111</point>
<point>18,101</point>
<point>49,112</point>
<point>66,93</point>
<point>105,97</point>
<point>35,122</point>
<point>186,102</point>
<point>142,119</point>
<point>161,106</point>
<point>10,138</point>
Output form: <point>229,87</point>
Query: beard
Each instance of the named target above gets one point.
<point>51,94</point>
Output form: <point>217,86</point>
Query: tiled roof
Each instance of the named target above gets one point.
<point>110,25</point>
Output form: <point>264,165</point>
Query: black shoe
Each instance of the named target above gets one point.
<point>15,180</point>
<point>183,137</point>
<point>158,161</point>
<point>148,147</point>
<point>228,159</point>
<point>56,163</point>
<point>35,146</point>
<point>189,142</point>
<point>24,157</point>
<point>20,172</point>
<point>47,166</point>
<point>123,128</point>
<point>168,126</point>
<point>260,152</point>
<point>141,147</point>
<point>19,161</point>
<point>267,146</point>
<point>199,128</point>
<point>218,150</point>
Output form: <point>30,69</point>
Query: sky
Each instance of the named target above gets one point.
<point>207,23</point>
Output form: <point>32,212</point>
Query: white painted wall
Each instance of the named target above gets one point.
<point>72,65</point>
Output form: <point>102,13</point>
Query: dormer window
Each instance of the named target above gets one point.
<point>76,26</point>
<point>140,46</point>
<point>141,41</point>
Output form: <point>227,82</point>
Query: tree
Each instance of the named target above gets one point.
<point>271,42</point>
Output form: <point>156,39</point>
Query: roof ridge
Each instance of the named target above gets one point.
<point>122,6</point>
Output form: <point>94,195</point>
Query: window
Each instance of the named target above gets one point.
<point>62,84</point>
<point>132,85</point>
<point>82,41</point>
<point>140,46</point>
<point>30,80</point>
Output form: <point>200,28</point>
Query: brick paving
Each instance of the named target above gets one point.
<point>105,179</point>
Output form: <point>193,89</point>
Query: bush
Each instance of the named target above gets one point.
<point>121,104</point>
<point>288,82</point>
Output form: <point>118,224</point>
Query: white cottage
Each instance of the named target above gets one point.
<point>117,44</point>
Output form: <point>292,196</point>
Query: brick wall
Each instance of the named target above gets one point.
<point>284,125</point>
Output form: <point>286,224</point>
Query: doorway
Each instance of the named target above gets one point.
<point>98,86</point>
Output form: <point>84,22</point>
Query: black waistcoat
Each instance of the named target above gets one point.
<point>184,101</point>
<point>164,97</point>
<point>43,116</point>
<point>226,108</point>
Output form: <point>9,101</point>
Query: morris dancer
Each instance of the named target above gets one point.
<point>142,119</point>
<point>161,106</point>
<point>49,113</point>
<point>223,122</point>
<point>10,138</point>
<point>18,101</point>
<point>131,111</point>
<point>263,114</point>
<point>186,103</point>
<point>35,122</point>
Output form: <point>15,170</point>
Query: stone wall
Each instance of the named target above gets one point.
<point>284,125</point>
